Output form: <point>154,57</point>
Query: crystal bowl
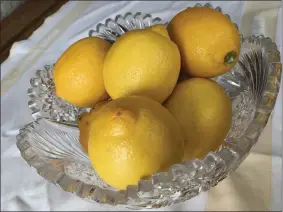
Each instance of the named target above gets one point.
<point>51,145</point>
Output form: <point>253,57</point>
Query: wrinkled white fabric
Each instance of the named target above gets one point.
<point>21,187</point>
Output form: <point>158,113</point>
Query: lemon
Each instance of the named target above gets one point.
<point>83,125</point>
<point>208,41</point>
<point>84,122</point>
<point>144,63</point>
<point>160,29</point>
<point>131,138</point>
<point>78,72</point>
<point>204,111</point>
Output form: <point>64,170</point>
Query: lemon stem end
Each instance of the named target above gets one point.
<point>230,57</point>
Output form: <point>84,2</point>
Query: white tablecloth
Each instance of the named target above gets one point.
<point>21,187</point>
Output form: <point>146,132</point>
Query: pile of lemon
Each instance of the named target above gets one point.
<point>153,104</point>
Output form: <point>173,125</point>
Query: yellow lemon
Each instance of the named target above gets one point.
<point>84,122</point>
<point>160,29</point>
<point>144,63</point>
<point>131,138</point>
<point>78,72</point>
<point>208,41</point>
<point>204,111</point>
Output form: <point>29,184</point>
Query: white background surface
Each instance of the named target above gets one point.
<point>21,187</point>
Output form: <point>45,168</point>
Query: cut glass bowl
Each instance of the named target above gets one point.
<point>51,145</point>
